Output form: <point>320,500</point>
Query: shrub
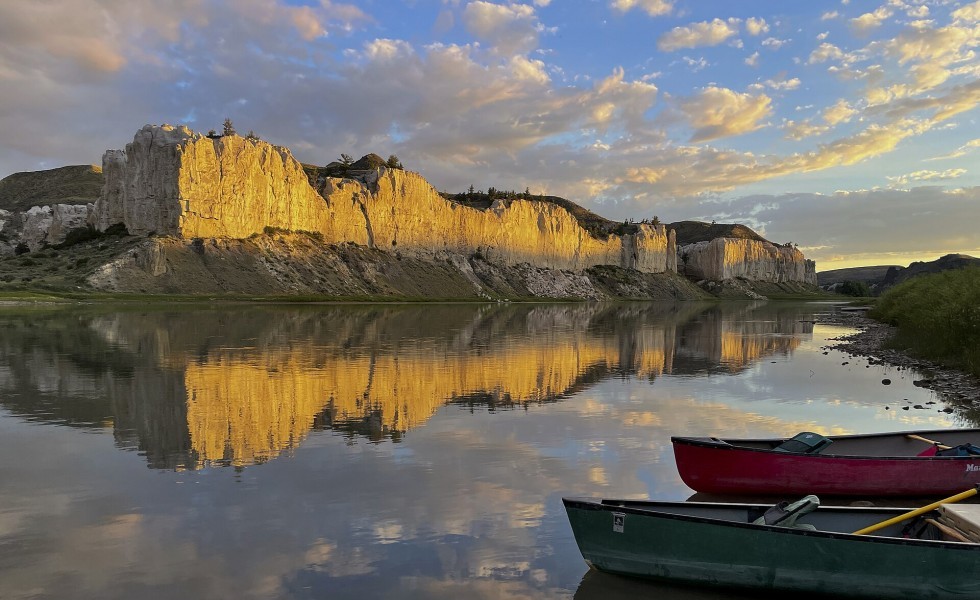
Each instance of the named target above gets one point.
<point>79,235</point>
<point>938,316</point>
<point>857,289</point>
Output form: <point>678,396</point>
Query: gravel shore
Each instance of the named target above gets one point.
<point>955,387</point>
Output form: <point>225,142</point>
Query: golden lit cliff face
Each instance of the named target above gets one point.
<point>176,182</point>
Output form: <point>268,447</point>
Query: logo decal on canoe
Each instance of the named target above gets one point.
<point>619,519</point>
<point>972,468</point>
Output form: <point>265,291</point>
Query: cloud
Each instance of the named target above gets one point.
<point>864,24</point>
<point>774,43</point>
<point>752,60</point>
<point>756,26</point>
<point>654,8</point>
<point>968,14</point>
<point>512,28</point>
<point>961,151</point>
<point>926,175</point>
<point>706,33</point>
<point>799,130</point>
<point>824,52</point>
<point>841,112</point>
<point>720,112</point>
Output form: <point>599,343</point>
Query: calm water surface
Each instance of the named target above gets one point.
<point>384,451</point>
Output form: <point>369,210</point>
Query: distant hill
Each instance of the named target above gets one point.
<point>691,232</point>
<point>77,184</point>
<point>872,276</point>
<point>897,275</point>
<point>880,278</point>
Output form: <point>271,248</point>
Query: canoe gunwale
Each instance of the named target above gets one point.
<point>603,505</point>
<point>715,443</point>
<point>727,446</point>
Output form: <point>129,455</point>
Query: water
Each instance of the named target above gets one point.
<point>384,451</point>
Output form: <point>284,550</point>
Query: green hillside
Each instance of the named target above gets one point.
<point>77,184</point>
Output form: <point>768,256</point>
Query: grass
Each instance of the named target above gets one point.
<point>938,317</point>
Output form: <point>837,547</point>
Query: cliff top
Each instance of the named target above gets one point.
<point>597,226</point>
<point>77,184</point>
<point>691,232</point>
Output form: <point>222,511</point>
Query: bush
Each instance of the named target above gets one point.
<point>858,289</point>
<point>79,235</point>
<point>938,316</point>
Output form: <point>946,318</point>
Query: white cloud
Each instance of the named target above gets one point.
<point>511,29</point>
<point>774,43</point>
<point>706,33</point>
<point>830,15</point>
<point>824,52</point>
<point>756,26</point>
<point>800,130</point>
<point>720,112</point>
<point>841,112</point>
<point>753,60</point>
<point>868,21</point>
<point>926,175</point>
<point>968,14</point>
<point>654,8</point>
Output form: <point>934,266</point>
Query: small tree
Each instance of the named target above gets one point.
<point>656,220</point>
<point>471,190</point>
<point>251,136</point>
<point>346,160</point>
<point>228,128</point>
<point>394,163</point>
<point>212,133</point>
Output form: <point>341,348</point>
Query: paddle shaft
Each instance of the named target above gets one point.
<point>912,436</point>
<point>918,511</point>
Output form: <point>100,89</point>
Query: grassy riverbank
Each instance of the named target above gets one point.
<point>938,317</point>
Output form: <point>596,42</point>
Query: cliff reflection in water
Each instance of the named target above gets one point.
<point>189,388</point>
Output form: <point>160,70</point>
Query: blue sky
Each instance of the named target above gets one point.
<point>849,128</point>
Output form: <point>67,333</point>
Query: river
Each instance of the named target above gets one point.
<point>385,451</point>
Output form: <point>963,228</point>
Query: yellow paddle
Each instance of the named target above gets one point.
<point>912,436</point>
<point>918,511</point>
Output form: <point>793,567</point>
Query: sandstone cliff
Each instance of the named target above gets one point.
<point>728,258</point>
<point>175,182</point>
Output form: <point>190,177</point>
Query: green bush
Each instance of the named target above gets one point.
<point>79,235</point>
<point>858,289</point>
<point>938,316</point>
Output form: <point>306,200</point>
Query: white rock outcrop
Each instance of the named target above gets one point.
<point>42,225</point>
<point>176,182</point>
<point>728,258</point>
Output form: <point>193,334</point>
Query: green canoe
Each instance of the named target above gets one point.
<point>718,544</point>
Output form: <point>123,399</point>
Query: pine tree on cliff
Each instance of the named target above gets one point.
<point>228,128</point>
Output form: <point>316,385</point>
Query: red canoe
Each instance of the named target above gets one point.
<point>883,464</point>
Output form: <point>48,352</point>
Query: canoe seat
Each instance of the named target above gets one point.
<point>965,518</point>
<point>785,513</point>
<point>804,443</point>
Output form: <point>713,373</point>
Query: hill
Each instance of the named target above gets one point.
<point>882,277</point>
<point>691,232</point>
<point>897,275</point>
<point>77,184</point>
<point>872,276</point>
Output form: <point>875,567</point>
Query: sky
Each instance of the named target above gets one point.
<point>848,127</point>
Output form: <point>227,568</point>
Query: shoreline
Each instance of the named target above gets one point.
<point>953,385</point>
